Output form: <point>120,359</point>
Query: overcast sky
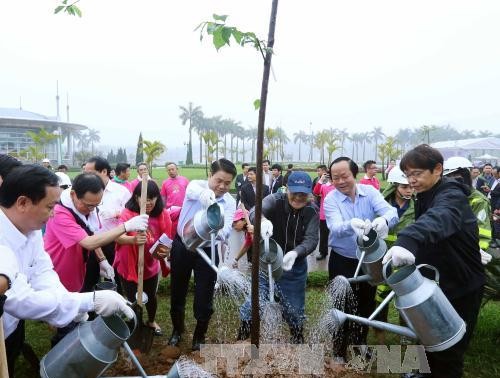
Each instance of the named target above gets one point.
<point>128,65</point>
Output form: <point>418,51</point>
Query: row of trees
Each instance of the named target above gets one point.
<point>227,137</point>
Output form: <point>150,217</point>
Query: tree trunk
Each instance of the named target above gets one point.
<point>258,195</point>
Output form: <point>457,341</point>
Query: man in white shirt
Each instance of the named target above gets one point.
<point>200,194</point>
<point>28,195</point>
<point>114,198</point>
<point>267,175</point>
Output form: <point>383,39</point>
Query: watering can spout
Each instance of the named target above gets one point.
<point>341,317</point>
<point>363,278</point>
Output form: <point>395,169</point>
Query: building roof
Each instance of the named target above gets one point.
<point>23,118</point>
<point>487,143</point>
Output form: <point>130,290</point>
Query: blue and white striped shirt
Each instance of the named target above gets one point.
<point>340,209</point>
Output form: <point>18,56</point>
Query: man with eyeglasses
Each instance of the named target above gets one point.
<point>351,211</point>
<point>444,235</point>
<point>28,196</point>
<point>71,234</point>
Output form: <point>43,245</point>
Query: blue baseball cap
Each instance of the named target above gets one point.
<point>299,182</point>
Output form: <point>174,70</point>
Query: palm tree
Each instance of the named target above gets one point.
<point>252,136</point>
<point>200,127</point>
<point>300,137</point>
<point>485,133</point>
<point>425,131</point>
<point>365,137</point>
<point>319,142</point>
<point>153,150</point>
<point>282,140</point>
<point>356,138</point>
<point>342,135</point>
<point>466,134</point>
<point>192,114</point>
<point>271,139</point>
<point>331,144</point>
<point>93,137</point>
<point>377,134</point>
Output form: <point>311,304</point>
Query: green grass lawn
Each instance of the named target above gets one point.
<point>481,359</point>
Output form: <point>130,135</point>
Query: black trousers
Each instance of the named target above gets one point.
<point>323,238</point>
<point>351,333</point>
<point>150,288</point>
<point>450,362</point>
<point>13,346</point>
<point>92,275</point>
<point>183,262</point>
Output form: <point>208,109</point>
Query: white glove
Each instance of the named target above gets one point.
<point>234,264</point>
<point>81,317</point>
<point>108,302</point>
<point>207,198</point>
<point>137,223</point>
<point>106,270</point>
<point>361,227</point>
<point>485,257</point>
<point>266,228</point>
<point>289,260</point>
<point>400,256</point>
<point>8,263</point>
<point>380,225</point>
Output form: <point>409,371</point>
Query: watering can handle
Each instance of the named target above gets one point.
<point>436,276</point>
<point>384,269</point>
<point>134,318</point>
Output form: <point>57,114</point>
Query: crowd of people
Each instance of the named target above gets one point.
<point>60,237</point>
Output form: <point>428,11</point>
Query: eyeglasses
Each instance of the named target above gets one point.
<point>89,206</point>
<point>415,174</point>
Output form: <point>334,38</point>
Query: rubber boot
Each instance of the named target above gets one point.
<point>296,336</point>
<point>199,334</point>
<point>244,330</point>
<point>178,325</point>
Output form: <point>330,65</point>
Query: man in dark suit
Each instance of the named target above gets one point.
<point>240,180</point>
<point>247,195</point>
<point>477,181</point>
<point>277,178</point>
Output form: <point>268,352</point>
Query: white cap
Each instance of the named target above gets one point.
<point>454,163</point>
<point>46,161</point>
<point>396,175</point>
<point>63,179</point>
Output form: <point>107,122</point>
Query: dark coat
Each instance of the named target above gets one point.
<point>445,235</point>
<point>278,184</point>
<point>247,195</point>
<point>240,180</point>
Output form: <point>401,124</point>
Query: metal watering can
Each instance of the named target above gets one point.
<point>270,262</point>
<point>201,231</point>
<point>198,231</point>
<point>370,254</point>
<point>88,350</point>
<point>429,314</point>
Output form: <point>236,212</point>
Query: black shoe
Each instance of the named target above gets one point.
<point>320,257</point>
<point>244,330</point>
<point>296,335</point>
<point>178,325</point>
<point>199,334</point>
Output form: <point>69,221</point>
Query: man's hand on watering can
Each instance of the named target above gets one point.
<point>266,228</point>
<point>207,198</point>
<point>361,227</point>
<point>137,223</point>
<point>106,270</point>
<point>108,302</point>
<point>289,260</point>
<point>380,225</point>
<point>400,256</point>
